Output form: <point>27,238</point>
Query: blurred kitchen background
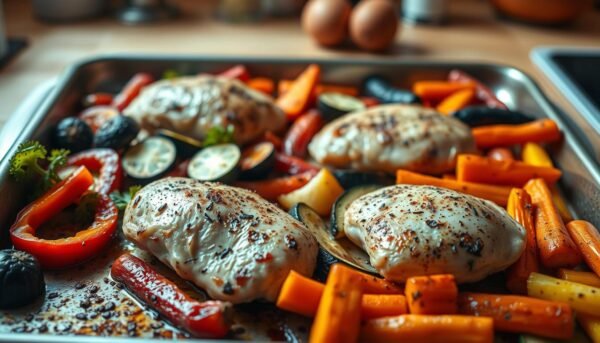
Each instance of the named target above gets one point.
<point>39,38</point>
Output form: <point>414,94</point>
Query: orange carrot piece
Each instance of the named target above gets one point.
<point>534,154</point>
<point>300,294</point>
<point>430,329</point>
<point>587,238</point>
<point>284,85</point>
<point>262,84</point>
<point>520,209</point>
<point>555,246</point>
<point>481,169</point>
<point>519,314</point>
<point>434,294</point>
<point>382,305</point>
<point>500,154</point>
<point>449,177</point>
<point>542,130</point>
<point>273,188</point>
<point>374,285</point>
<point>295,100</point>
<point>338,315</point>
<point>435,91</point>
<point>497,194</point>
<point>586,278</point>
<point>456,101</point>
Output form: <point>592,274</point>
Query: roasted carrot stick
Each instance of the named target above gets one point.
<point>435,91</point>
<point>497,194</point>
<point>500,154</point>
<point>456,101</point>
<point>481,169</point>
<point>542,130</point>
<point>374,285</point>
<point>520,314</point>
<point>586,278</point>
<point>262,84</point>
<point>273,188</point>
<point>338,316</point>
<point>382,305</point>
<point>434,294</point>
<point>295,100</point>
<point>430,329</point>
<point>535,155</point>
<point>284,85</point>
<point>483,92</point>
<point>300,294</point>
<point>587,238</point>
<point>520,209</point>
<point>555,246</point>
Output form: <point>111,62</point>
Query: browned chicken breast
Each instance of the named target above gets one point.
<point>391,137</point>
<point>412,230</point>
<point>228,241</point>
<point>193,105</point>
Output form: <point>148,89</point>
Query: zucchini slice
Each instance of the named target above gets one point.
<point>186,146</point>
<point>216,163</point>
<point>150,159</point>
<point>257,160</point>
<point>341,206</point>
<point>330,250</point>
<point>333,105</point>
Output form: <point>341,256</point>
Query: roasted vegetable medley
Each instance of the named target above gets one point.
<point>382,213</point>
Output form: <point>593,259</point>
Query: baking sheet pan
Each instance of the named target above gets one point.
<point>111,312</point>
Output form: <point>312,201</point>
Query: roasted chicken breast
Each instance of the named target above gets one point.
<point>228,241</point>
<point>193,105</point>
<point>391,137</point>
<point>412,230</point>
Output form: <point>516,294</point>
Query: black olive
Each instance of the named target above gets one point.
<point>382,90</point>
<point>117,133</point>
<point>73,134</point>
<point>482,115</point>
<point>21,279</point>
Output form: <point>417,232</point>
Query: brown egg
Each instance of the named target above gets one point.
<point>373,24</point>
<point>327,20</point>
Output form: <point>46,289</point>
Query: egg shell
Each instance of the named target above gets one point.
<point>327,20</point>
<point>373,24</point>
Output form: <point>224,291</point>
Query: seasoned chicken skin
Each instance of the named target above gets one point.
<point>193,105</point>
<point>410,230</point>
<point>228,241</point>
<point>390,137</point>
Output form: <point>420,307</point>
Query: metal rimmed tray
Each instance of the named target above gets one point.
<point>58,312</point>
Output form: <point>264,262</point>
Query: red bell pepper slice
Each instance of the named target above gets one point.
<point>64,252</point>
<point>239,72</point>
<point>483,92</point>
<point>271,189</point>
<point>131,90</point>
<point>301,132</point>
<point>293,165</point>
<point>96,116</point>
<point>104,161</point>
<point>202,319</point>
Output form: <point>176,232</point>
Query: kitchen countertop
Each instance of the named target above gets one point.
<point>472,34</point>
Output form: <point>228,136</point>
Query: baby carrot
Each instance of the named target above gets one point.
<point>294,101</point>
<point>542,130</point>
<point>456,101</point>
<point>555,246</point>
<point>435,91</point>
<point>434,294</point>
<point>587,238</point>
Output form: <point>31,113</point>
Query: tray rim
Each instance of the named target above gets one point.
<point>26,129</point>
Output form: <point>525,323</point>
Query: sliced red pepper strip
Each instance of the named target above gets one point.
<point>301,132</point>
<point>293,165</point>
<point>239,72</point>
<point>271,189</point>
<point>202,319</point>
<point>106,163</point>
<point>64,252</point>
<point>131,90</point>
<point>483,92</point>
